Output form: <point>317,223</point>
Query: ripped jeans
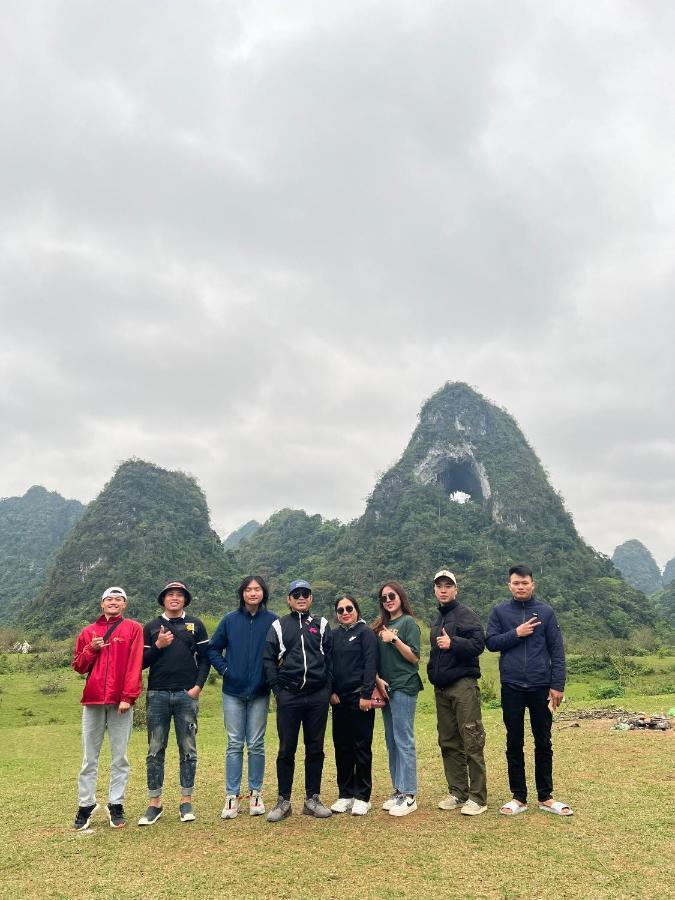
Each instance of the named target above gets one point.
<point>461,737</point>
<point>162,706</point>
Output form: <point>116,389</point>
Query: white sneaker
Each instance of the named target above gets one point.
<point>471,808</point>
<point>391,800</point>
<point>231,808</point>
<point>360,807</point>
<point>450,802</point>
<point>405,804</point>
<point>344,804</point>
<point>257,807</point>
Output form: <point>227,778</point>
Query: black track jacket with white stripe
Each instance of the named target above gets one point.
<point>299,654</point>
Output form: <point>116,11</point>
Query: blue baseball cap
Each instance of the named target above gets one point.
<point>299,584</point>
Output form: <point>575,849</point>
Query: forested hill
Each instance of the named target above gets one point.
<point>32,528</point>
<point>638,566</point>
<point>469,493</point>
<point>147,527</point>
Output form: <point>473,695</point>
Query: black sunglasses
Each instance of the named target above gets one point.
<point>341,610</point>
<point>390,596</point>
<point>301,592</point>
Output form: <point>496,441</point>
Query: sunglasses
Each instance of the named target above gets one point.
<point>301,592</point>
<point>342,610</point>
<point>387,598</point>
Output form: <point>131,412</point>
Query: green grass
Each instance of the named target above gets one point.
<point>619,841</point>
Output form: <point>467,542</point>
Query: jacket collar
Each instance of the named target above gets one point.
<point>444,607</point>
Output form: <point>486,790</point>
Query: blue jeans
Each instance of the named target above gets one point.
<point>245,722</point>
<point>399,721</point>
<point>162,706</point>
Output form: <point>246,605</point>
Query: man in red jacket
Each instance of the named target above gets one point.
<point>110,653</point>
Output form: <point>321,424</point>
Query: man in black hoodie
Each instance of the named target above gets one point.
<point>298,667</point>
<point>457,640</point>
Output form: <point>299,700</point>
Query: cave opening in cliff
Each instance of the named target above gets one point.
<point>460,482</point>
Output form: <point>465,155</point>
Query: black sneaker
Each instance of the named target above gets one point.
<point>116,815</point>
<point>83,817</point>
<point>151,815</point>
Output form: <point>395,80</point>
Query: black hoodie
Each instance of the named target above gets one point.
<point>354,660</point>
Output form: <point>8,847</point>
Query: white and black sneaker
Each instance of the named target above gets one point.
<point>84,816</point>
<point>256,805</point>
<point>231,808</point>
<point>405,804</point>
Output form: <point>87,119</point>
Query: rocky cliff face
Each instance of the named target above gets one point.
<point>473,450</point>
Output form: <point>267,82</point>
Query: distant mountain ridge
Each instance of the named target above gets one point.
<point>468,492</point>
<point>235,538</point>
<point>32,529</point>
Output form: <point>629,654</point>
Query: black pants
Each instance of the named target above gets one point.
<point>353,740</point>
<point>310,711</point>
<point>514,704</point>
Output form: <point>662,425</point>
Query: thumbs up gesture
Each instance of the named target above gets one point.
<point>164,638</point>
<point>443,641</point>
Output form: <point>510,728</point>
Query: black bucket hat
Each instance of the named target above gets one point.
<point>175,586</point>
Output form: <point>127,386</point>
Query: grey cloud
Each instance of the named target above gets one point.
<point>229,226</point>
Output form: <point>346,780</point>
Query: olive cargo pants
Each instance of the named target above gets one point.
<point>461,737</point>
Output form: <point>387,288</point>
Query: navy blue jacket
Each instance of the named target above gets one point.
<point>527,662</point>
<point>242,637</point>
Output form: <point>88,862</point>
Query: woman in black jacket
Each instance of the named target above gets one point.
<point>354,668</point>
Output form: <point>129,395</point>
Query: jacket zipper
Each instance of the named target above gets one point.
<point>304,655</point>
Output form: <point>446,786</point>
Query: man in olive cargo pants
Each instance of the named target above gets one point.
<point>457,640</point>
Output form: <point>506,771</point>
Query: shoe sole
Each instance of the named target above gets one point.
<point>91,816</point>
<point>476,812</point>
<point>408,810</point>
<point>190,817</point>
<point>285,816</point>
<point>143,824</point>
<point>257,811</point>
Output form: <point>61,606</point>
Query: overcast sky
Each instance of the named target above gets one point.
<point>248,240</point>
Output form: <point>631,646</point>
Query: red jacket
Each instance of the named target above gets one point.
<point>114,672</point>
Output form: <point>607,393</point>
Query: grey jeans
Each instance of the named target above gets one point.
<point>95,721</point>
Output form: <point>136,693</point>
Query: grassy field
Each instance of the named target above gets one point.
<point>619,843</point>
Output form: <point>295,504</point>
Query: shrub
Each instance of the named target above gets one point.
<point>584,665</point>
<point>140,716</point>
<point>53,686</point>
<point>488,690</point>
<point>606,692</point>
<point>492,704</point>
<point>626,670</point>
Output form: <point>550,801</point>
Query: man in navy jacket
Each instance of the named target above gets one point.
<point>532,672</point>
